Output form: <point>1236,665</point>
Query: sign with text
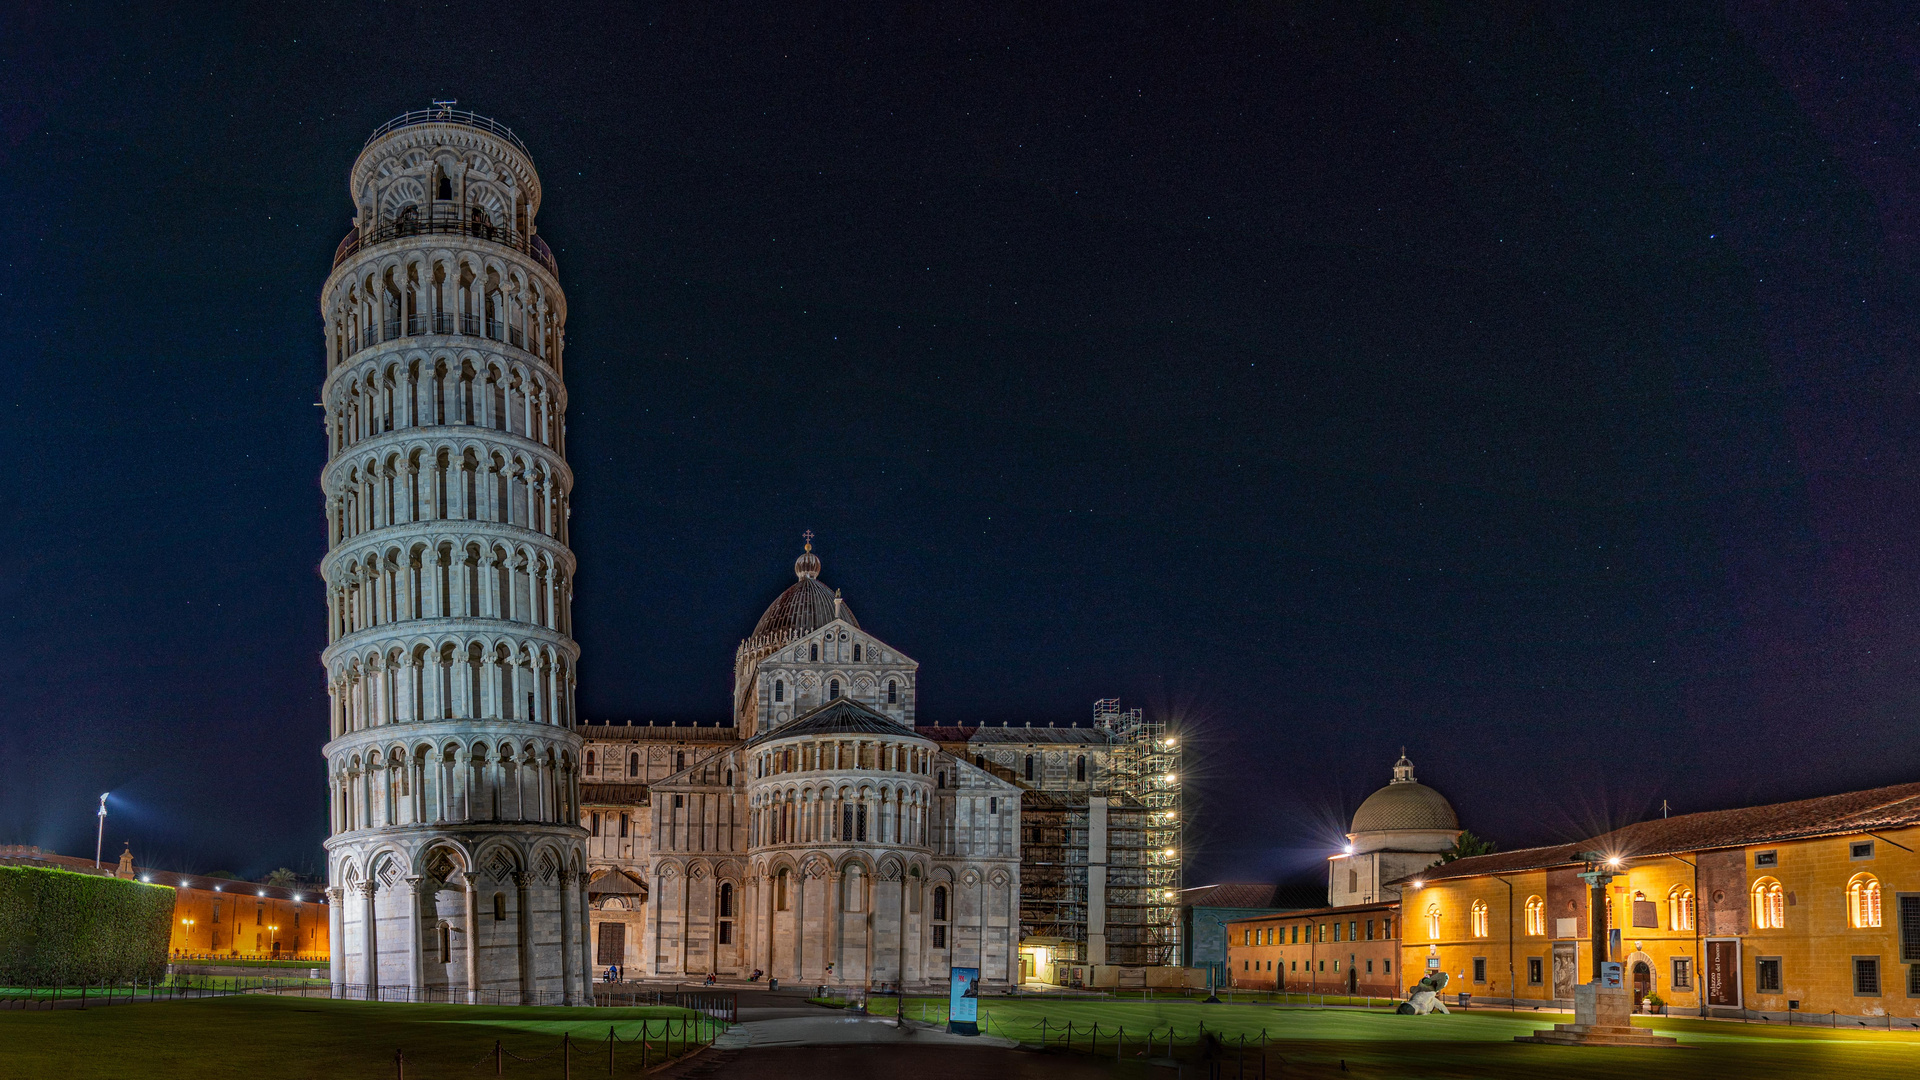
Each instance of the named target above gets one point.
<point>1723,972</point>
<point>963,1002</point>
<point>1610,976</point>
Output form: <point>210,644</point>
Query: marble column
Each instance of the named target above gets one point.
<point>567,937</point>
<point>370,940</point>
<point>472,896</point>
<point>416,973</point>
<point>834,908</point>
<point>524,936</point>
<point>336,940</point>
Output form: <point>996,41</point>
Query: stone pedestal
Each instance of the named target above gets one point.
<point>1602,1016</point>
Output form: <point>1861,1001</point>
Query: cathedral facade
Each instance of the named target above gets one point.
<point>821,838</point>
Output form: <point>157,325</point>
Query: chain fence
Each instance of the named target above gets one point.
<point>645,1050</point>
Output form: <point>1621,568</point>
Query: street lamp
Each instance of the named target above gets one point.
<point>101,832</point>
<point>1599,872</point>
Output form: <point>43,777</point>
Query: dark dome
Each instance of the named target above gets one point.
<point>1405,805</point>
<point>806,606</point>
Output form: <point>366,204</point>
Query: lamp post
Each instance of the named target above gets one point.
<point>1598,874</point>
<point>101,832</point>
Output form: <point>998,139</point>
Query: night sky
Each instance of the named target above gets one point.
<point>1533,388</point>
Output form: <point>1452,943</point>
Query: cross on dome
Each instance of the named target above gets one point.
<point>807,566</point>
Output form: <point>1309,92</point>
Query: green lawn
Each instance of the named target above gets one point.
<point>1474,1044</point>
<point>294,1038</point>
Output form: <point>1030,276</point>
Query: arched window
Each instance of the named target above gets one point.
<point>893,692</point>
<point>679,760</point>
<point>780,890</point>
<point>499,907</point>
<point>1680,908</point>
<point>726,899</point>
<point>1029,766</point>
<point>1863,902</point>
<point>939,903</point>
<point>1433,922</point>
<point>1479,918</point>
<point>590,764</point>
<point>833,689</point>
<point>1080,769</point>
<point>633,764</point>
<point>813,652</point>
<point>445,191</point>
<point>940,781</point>
<point>1536,916</point>
<point>1769,905</point>
<point>779,690</point>
<point>856,652</point>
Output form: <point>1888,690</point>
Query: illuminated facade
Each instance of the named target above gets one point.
<point>455,857</point>
<point>821,838</point>
<point>1773,909</point>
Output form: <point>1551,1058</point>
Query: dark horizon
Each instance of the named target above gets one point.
<point>1531,388</point>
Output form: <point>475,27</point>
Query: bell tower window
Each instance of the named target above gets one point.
<point>445,191</point>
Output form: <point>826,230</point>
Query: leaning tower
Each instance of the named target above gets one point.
<point>454,854</point>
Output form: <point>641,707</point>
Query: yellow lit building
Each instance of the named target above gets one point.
<point>1800,906</point>
<point>216,918</point>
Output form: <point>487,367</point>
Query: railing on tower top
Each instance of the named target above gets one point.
<point>446,222</point>
<point>448,116</point>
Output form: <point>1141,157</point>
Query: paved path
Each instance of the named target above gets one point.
<point>780,1035</point>
<point>825,1027</point>
<point>919,1061</point>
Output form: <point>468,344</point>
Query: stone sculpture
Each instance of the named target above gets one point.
<point>1424,998</point>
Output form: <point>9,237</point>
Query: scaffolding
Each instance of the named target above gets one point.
<point>1146,762</point>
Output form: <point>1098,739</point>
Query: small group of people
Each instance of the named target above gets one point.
<point>613,973</point>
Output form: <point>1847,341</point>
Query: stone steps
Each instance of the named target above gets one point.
<point>1597,1035</point>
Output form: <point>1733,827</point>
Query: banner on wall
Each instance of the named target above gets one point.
<point>963,1002</point>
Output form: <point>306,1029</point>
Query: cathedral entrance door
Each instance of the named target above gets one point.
<point>612,948</point>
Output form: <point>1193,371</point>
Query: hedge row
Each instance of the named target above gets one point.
<point>59,928</point>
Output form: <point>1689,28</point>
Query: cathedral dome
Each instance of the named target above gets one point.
<point>806,606</point>
<point>1405,805</point>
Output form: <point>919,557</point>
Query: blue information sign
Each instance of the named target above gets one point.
<point>963,1002</point>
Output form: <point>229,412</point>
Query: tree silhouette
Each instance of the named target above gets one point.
<point>1467,846</point>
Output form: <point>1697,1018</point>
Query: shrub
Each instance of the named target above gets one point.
<point>62,928</point>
